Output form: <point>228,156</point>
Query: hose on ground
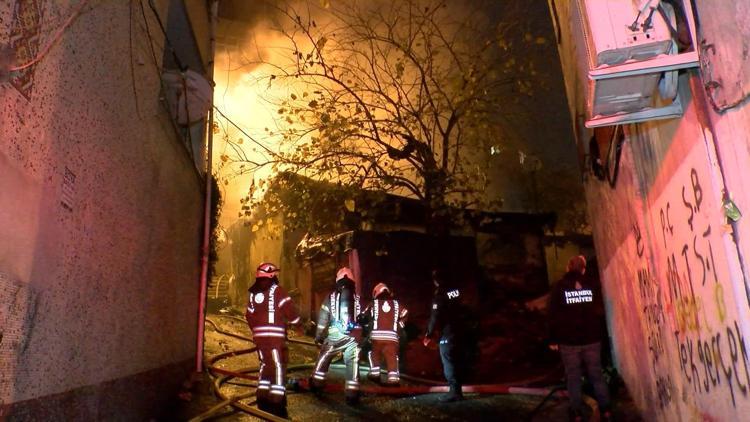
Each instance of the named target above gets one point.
<point>223,376</point>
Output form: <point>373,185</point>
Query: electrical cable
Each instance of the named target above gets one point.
<point>166,37</point>
<point>265,148</point>
<point>130,62</point>
<point>613,154</point>
<point>151,42</point>
<point>54,40</point>
<point>710,88</point>
<point>159,73</point>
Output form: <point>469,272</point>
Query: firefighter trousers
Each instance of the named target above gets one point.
<point>272,374</point>
<point>388,351</point>
<point>349,346</point>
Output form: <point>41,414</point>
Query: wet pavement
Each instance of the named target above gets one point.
<point>330,406</point>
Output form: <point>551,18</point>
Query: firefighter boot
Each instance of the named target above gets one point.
<point>352,397</point>
<point>374,377</point>
<point>316,386</point>
<point>262,402</point>
<point>278,408</point>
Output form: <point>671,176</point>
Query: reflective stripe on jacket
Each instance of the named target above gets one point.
<point>269,310</point>
<point>387,316</point>
<point>336,317</point>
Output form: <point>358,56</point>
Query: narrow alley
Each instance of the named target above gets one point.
<point>374,210</point>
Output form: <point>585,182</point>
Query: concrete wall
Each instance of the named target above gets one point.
<point>100,216</point>
<point>672,270</point>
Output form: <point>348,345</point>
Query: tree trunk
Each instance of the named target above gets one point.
<point>437,214</point>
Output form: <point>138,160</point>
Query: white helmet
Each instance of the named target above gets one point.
<point>344,272</point>
<point>380,288</point>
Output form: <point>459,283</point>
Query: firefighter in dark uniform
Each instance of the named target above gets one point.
<point>576,312</point>
<point>338,331</point>
<point>448,313</point>
<point>269,309</point>
<point>387,316</point>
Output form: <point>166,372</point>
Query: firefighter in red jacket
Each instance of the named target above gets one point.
<point>338,331</point>
<point>269,309</point>
<point>387,315</point>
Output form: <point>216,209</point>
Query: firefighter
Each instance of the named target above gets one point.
<point>387,315</point>
<point>448,314</point>
<point>269,308</point>
<point>338,331</point>
<point>576,313</point>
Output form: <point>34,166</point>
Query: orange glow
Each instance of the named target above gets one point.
<point>244,95</point>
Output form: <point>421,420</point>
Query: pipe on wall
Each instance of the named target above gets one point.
<point>206,246</point>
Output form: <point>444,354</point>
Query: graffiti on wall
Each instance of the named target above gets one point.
<point>716,362</point>
<point>709,345</point>
<point>655,318</point>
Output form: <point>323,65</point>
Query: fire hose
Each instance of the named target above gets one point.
<point>223,376</point>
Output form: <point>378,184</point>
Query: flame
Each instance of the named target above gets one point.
<point>244,85</point>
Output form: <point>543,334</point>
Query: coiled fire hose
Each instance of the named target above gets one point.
<point>223,376</point>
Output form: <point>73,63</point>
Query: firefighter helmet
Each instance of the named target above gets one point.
<point>344,272</point>
<point>267,270</point>
<point>380,288</point>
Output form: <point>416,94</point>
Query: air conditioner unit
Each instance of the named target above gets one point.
<point>629,54</point>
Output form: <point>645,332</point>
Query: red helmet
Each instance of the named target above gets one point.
<point>267,270</point>
<point>345,272</point>
<point>380,288</point>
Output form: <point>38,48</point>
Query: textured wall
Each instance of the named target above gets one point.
<point>672,270</point>
<point>100,205</point>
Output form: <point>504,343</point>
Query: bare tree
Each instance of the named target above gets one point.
<point>402,97</point>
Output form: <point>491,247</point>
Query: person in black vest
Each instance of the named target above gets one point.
<point>576,313</point>
<point>447,317</point>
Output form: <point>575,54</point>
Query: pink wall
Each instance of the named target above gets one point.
<point>672,270</point>
<point>100,210</point>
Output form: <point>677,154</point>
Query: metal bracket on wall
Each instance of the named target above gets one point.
<point>667,112</point>
<point>626,75</point>
<point>656,65</point>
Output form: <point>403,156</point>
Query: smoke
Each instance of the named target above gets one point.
<point>247,41</point>
<point>250,45</point>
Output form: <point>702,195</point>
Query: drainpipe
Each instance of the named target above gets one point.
<point>206,247</point>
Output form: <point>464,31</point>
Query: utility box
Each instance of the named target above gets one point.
<point>629,51</point>
<point>614,39</point>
